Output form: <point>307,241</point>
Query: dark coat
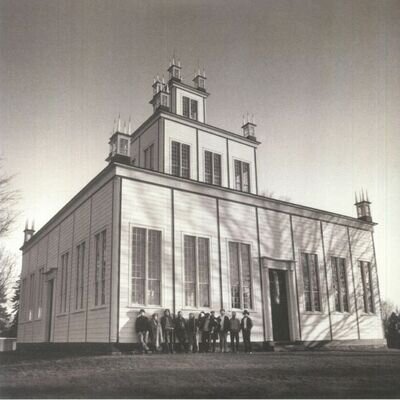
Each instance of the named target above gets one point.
<point>167,320</point>
<point>192,325</point>
<point>226,323</point>
<point>142,324</point>
<point>234,325</point>
<point>249,324</point>
<point>180,324</point>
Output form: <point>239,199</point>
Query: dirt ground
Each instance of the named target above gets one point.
<point>311,374</point>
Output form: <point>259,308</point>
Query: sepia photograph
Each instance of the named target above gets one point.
<point>199,199</point>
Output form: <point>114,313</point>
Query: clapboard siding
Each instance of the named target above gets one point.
<point>275,235</point>
<point>307,238</point>
<point>196,216</point>
<point>101,219</point>
<point>148,138</point>
<point>362,249</point>
<point>238,223</point>
<point>336,242</point>
<point>146,206</point>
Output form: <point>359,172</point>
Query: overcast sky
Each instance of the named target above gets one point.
<point>321,77</point>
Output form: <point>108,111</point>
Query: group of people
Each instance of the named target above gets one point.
<point>170,333</point>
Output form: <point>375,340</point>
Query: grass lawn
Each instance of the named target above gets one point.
<point>312,374</point>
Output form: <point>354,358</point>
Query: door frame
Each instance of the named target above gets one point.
<point>287,266</point>
<point>50,305</point>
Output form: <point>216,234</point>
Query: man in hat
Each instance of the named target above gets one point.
<point>142,327</point>
<point>223,321</point>
<point>246,326</point>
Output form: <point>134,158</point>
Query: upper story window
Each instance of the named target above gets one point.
<point>312,296</point>
<point>212,168</point>
<point>64,283</point>
<point>197,271</point>
<point>366,286</point>
<point>100,269</point>
<point>340,284</point>
<point>23,299</point>
<point>146,267</point>
<point>189,108</point>
<point>31,296</point>
<point>242,176</point>
<point>40,292</point>
<point>180,159</point>
<point>240,275</point>
<point>149,157</point>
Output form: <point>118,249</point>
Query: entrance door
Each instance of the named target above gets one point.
<point>49,310</point>
<point>279,304</point>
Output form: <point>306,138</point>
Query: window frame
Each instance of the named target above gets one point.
<point>41,284</point>
<point>192,114</point>
<point>213,154</point>
<point>64,283</point>
<point>32,288</point>
<point>147,228</point>
<point>80,275</point>
<point>336,273</point>
<point>180,164</point>
<point>197,305</point>
<point>101,270</point>
<point>247,243</point>
<point>313,310</point>
<point>241,163</point>
<point>366,309</point>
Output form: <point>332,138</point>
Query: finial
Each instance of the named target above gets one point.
<point>124,130</point>
<point>129,125</point>
<point>355,197</point>
<point>119,123</point>
<point>26,224</point>
<point>33,224</point>
<point>366,191</point>
<point>204,72</point>
<point>247,117</point>
<point>163,80</point>
<point>179,63</point>
<point>244,123</point>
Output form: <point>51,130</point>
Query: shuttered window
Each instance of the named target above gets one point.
<point>79,278</point>
<point>149,157</point>
<point>240,275</point>
<point>100,271</point>
<point>197,271</point>
<point>146,267</point>
<point>180,159</point>
<point>312,299</point>
<point>366,286</point>
<point>212,168</point>
<point>339,281</point>
<point>242,176</point>
<point>64,283</point>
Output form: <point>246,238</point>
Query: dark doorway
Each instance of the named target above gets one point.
<point>49,309</point>
<point>279,305</point>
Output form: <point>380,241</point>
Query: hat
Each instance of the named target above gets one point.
<point>141,311</point>
<point>212,312</point>
<point>246,312</point>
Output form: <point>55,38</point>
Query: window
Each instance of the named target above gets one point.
<point>40,293</point>
<point>240,275</point>
<point>189,108</point>
<point>366,286</point>
<point>123,146</point>
<point>242,176</point>
<point>146,266</point>
<point>340,284</point>
<point>180,154</point>
<point>311,282</point>
<point>23,299</point>
<point>149,157</point>
<point>212,168</point>
<point>80,271</point>
<point>31,296</point>
<point>64,282</point>
<point>100,272</point>
<point>197,271</point>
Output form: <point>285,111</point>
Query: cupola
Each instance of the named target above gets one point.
<point>119,143</point>
<point>161,95</point>
<point>29,232</point>
<point>200,80</point>
<point>363,206</point>
<point>248,128</point>
<point>175,70</point>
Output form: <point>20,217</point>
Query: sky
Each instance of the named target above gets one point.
<point>321,77</point>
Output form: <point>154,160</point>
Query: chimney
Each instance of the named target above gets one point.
<point>29,232</point>
<point>175,70</point>
<point>363,204</point>
<point>248,127</point>
<point>200,80</point>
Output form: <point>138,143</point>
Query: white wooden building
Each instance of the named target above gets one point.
<point>175,221</point>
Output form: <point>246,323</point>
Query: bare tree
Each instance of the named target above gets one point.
<point>8,202</point>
